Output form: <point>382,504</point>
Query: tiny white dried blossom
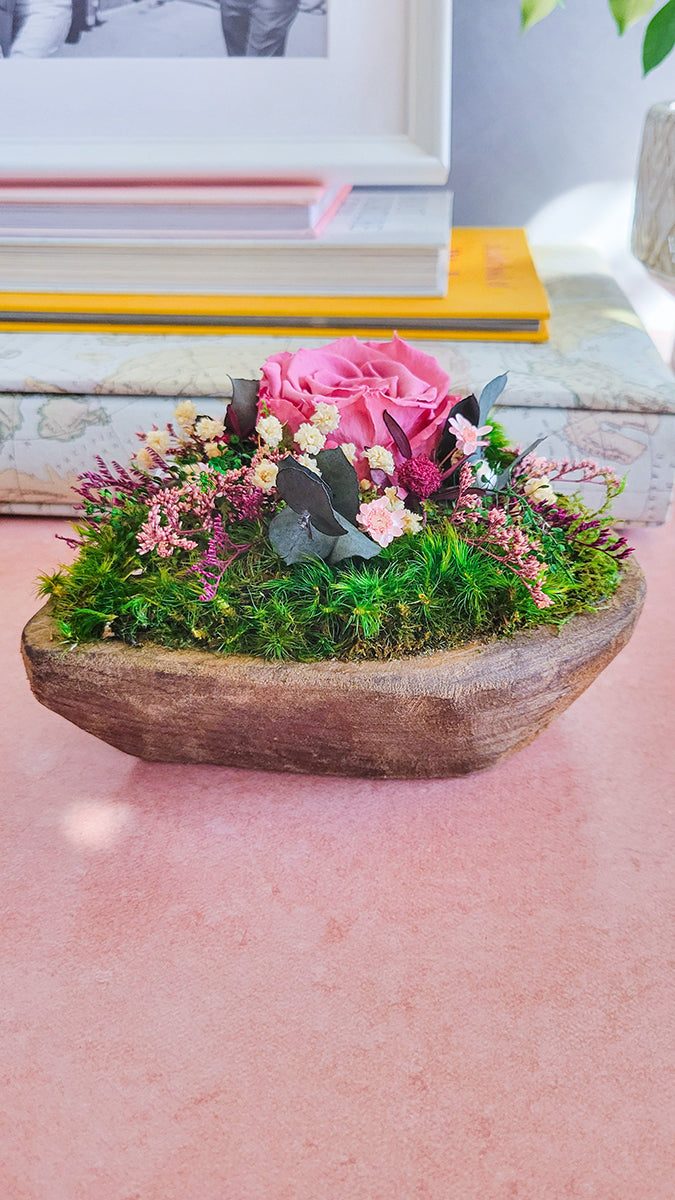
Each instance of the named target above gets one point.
<point>265,475</point>
<point>185,413</point>
<point>395,501</point>
<point>538,488</point>
<point>195,469</point>
<point>380,459</point>
<point>212,449</point>
<point>271,431</point>
<point>310,439</point>
<point>207,428</point>
<point>144,459</point>
<point>485,476</point>
<point>349,451</point>
<point>158,439</point>
<point>308,462</point>
<point>412,522</point>
<point>326,417</point>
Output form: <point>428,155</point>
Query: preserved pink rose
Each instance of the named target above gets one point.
<point>363,379</point>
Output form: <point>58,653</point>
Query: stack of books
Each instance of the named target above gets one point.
<point>266,257</point>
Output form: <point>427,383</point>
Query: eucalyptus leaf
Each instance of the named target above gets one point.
<point>627,12</point>
<point>306,492</point>
<point>294,539</point>
<point>338,473</point>
<point>532,11</point>
<point>243,406</point>
<point>659,37</point>
<point>490,395</point>
<point>504,478</point>
<point>353,544</point>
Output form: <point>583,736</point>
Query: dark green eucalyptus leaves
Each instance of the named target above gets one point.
<point>318,519</point>
<point>242,411</point>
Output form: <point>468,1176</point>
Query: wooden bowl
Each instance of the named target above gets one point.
<point>429,716</point>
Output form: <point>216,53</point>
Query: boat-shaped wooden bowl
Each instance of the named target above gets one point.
<point>430,716</point>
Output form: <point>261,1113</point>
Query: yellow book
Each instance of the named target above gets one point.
<point>494,293</point>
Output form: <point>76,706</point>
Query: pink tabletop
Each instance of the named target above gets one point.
<point>227,985</point>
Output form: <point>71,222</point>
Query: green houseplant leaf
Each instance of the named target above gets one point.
<point>659,37</point>
<point>627,12</point>
<point>532,11</point>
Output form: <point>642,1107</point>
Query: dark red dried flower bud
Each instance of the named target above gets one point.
<point>420,476</point>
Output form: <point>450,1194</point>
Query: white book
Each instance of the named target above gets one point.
<point>388,242</point>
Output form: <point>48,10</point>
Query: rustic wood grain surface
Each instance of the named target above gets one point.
<point>431,716</point>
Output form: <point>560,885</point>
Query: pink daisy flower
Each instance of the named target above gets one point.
<point>468,435</point>
<point>380,522</point>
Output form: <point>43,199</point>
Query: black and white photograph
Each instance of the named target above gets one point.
<point>129,90</point>
<point>163,28</point>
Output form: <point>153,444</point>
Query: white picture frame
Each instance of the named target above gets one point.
<point>375,110</point>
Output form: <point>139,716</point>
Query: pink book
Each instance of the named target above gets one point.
<point>123,211</point>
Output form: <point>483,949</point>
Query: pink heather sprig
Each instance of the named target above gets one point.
<point>518,553</point>
<point>246,501</point>
<point>501,539</point>
<point>211,566</point>
<point>125,482</point>
<point>74,543</point>
<point>467,502</point>
<point>163,531</point>
<point>605,540</point>
<point>585,470</point>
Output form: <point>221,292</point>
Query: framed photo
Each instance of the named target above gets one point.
<point>167,89</point>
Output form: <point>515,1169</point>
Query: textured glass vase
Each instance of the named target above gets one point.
<point>653,241</point>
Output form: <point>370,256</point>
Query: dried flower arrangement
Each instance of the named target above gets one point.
<point>347,507</point>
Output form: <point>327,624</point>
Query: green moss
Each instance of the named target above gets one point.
<point>425,592</point>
